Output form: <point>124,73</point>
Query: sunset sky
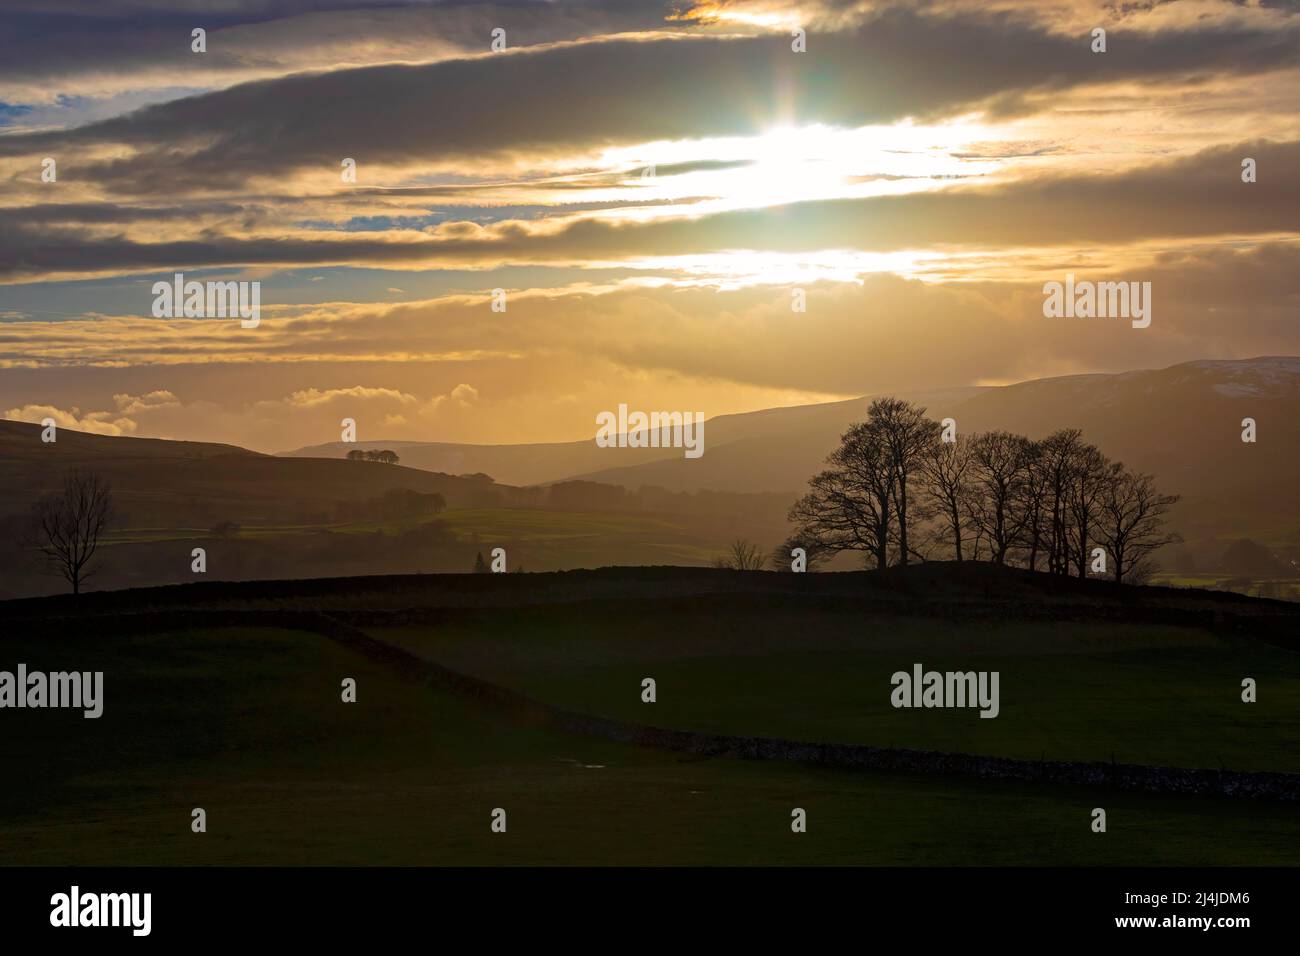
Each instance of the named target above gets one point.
<point>648,182</point>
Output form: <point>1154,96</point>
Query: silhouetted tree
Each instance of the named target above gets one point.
<point>69,525</point>
<point>995,493</point>
<point>1090,474</point>
<point>999,469</point>
<point>1034,505</point>
<point>480,566</point>
<point>814,554</point>
<point>1055,464</point>
<point>848,506</point>
<point>945,473</point>
<point>741,556</point>
<point>1131,521</point>
<point>906,436</point>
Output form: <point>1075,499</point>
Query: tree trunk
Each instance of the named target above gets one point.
<point>902,518</point>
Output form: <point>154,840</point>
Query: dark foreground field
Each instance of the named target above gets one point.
<point>246,722</point>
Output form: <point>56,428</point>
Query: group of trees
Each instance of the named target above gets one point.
<point>387,456</point>
<point>898,490</point>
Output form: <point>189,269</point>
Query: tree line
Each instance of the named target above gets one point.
<point>900,487</point>
<point>385,455</point>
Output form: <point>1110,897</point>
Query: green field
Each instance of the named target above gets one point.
<point>536,538</point>
<point>558,539</point>
<point>752,665</point>
<point>248,724</point>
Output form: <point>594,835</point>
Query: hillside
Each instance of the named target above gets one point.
<point>803,432</point>
<point>1182,423</point>
<point>170,484</point>
<point>314,517</point>
<point>239,702</point>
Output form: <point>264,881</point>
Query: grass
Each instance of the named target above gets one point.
<point>248,724</point>
<point>581,539</point>
<point>1072,691</point>
<point>550,538</point>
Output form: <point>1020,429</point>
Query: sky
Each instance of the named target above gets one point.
<point>713,206</point>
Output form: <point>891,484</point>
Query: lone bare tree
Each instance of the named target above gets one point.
<point>743,555</point>
<point>69,525</point>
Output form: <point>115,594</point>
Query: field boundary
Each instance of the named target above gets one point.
<point>1264,785</point>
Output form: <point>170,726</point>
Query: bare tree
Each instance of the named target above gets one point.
<point>1131,521</point>
<point>69,524</point>
<point>1055,462</point>
<point>944,472</point>
<point>1034,496</point>
<point>999,470</point>
<point>893,487</point>
<point>814,554</point>
<point>848,506</point>
<point>907,437</point>
<point>743,555</point>
<point>1090,473</point>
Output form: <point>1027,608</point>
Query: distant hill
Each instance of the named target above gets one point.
<point>1182,424</point>
<point>328,515</point>
<point>797,434</point>
<point>295,517</point>
<point>168,484</point>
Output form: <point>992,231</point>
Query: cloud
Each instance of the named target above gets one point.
<point>897,64</point>
<point>313,398</point>
<point>63,53</point>
<point>1195,196</point>
<point>881,332</point>
<point>97,423</point>
<point>135,404</point>
<point>305,416</point>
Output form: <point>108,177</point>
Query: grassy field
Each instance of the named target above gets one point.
<point>752,665</point>
<point>560,539</point>
<point>543,538</point>
<point>248,724</point>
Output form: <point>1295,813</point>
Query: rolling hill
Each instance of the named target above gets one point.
<point>168,484</point>
<point>304,516</point>
<point>1182,424</point>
